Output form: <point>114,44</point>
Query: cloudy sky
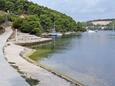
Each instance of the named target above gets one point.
<point>82,10</point>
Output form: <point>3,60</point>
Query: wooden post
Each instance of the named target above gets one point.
<point>16,35</point>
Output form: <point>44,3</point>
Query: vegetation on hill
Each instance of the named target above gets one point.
<point>37,18</point>
<point>2,17</point>
<point>111,26</point>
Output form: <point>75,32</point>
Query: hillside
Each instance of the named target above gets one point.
<point>36,18</point>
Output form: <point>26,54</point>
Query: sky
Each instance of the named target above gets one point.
<point>82,10</point>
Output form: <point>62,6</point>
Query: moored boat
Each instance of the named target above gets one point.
<point>55,34</point>
<point>91,31</point>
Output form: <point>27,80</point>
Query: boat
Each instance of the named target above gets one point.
<point>54,33</point>
<point>91,31</point>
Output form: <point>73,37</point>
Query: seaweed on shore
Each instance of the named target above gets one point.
<point>29,80</point>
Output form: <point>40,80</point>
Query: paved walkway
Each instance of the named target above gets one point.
<point>46,78</point>
<point>8,75</point>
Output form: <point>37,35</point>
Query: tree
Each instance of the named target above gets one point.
<point>80,27</point>
<point>9,6</point>
<point>46,23</point>
<point>17,23</point>
<point>2,4</point>
<point>26,27</point>
<point>28,24</point>
<point>37,31</point>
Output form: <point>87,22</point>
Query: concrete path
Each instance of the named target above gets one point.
<point>46,78</point>
<point>8,75</point>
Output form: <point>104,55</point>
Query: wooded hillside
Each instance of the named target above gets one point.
<point>36,18</point>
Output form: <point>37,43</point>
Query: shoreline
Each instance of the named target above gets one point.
<point>30,70</point>
<point>66,77</point>
<point>20,61</point>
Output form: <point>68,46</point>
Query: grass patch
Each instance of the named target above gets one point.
<point>40,53</point>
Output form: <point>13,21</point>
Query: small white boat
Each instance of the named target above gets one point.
<point>55,34</point>
<point>91,31</point>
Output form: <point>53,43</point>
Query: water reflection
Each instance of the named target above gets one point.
<point>57,45</point>
<point>88,58</point>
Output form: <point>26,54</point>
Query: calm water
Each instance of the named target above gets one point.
<point>89,58</point>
